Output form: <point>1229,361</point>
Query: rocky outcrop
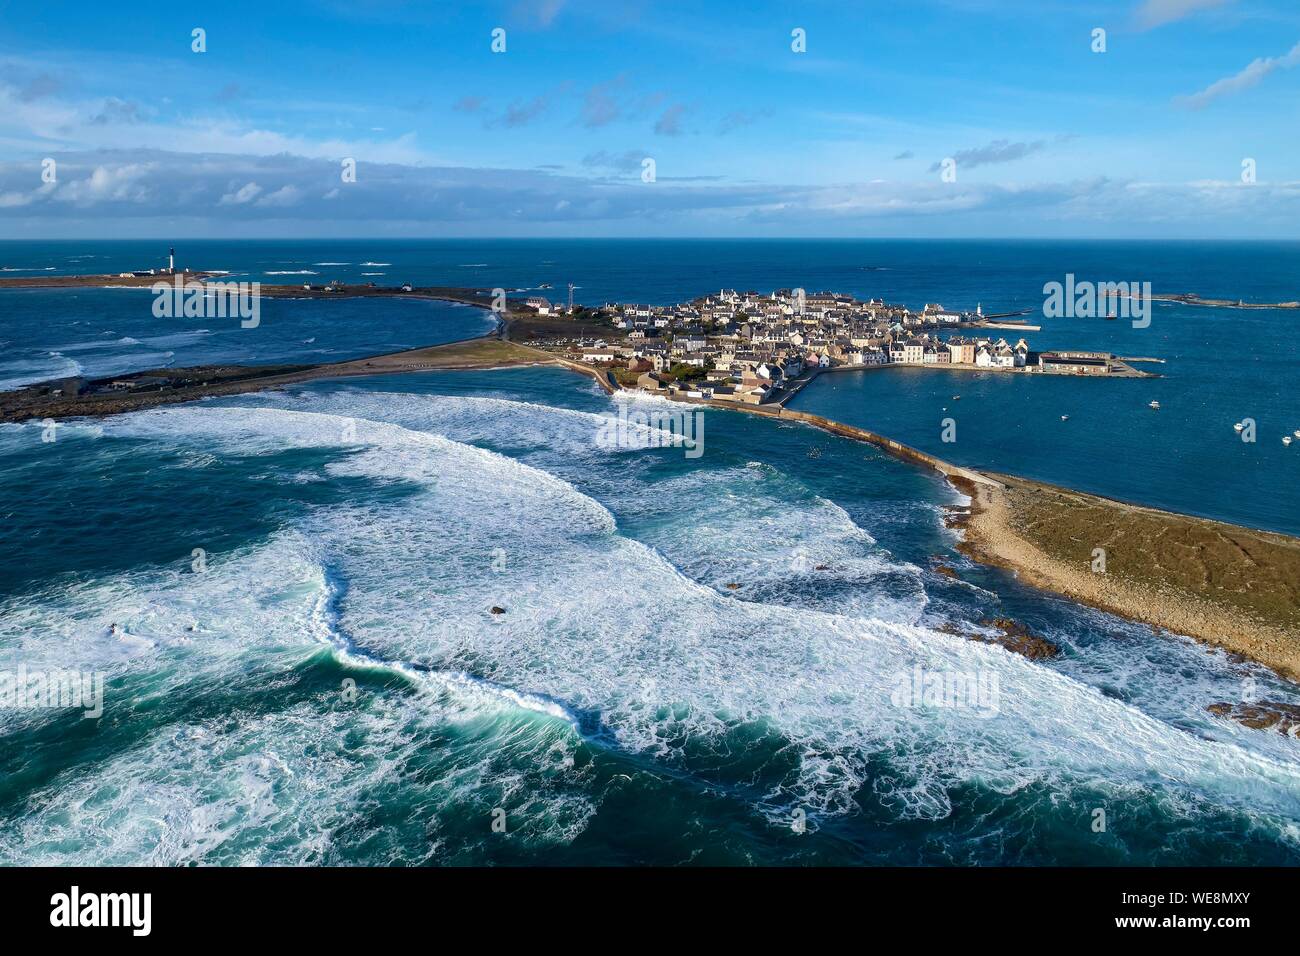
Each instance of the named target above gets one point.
<point>1262,715</point>
<point>1013,636</point>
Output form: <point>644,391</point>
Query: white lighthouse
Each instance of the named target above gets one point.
<point>171,261</point>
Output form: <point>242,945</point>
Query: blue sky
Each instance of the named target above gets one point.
<point>748,137</point>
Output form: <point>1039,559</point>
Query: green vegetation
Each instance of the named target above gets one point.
<point>1252,573</point>
<point>687,373</point>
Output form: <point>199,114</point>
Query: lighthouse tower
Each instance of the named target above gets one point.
<point>171,261</point>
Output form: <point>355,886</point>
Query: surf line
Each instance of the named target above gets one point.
<point>329,632</point>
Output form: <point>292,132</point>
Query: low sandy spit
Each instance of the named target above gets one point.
<point>1235,588</point>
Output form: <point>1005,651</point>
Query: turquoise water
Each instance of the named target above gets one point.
<point>628,706</point>
<point>55,333</point>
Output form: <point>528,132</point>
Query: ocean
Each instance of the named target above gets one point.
<point>291,594</point>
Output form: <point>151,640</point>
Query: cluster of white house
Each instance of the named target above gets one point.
<point>815,312</point>
<point>748,346</point>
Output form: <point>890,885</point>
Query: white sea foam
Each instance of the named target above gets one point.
<point>598,624</point>
<point>22,372</point>
<point>586,625</point>
<point>278,789</point>
<point>213,789</point>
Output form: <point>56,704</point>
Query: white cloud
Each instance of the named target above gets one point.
<point>12,200</point>
<point>1155,13</point>
<point>282,197</point>
<point>108,183</point>
<point>1243,80</point>
<point>48,122</point>
<point>245,193</point>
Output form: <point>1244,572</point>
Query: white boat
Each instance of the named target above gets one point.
<point>1065,418</point>
<point>1239,426</point>
<point>1286,439</point>
<point>1297,433</point>
<point>1153,405</point>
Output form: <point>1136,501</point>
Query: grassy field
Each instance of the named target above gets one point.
<point>474,353</point>
<point>1229,586</point>
<point>1252,572</point>
<point>527,328</point>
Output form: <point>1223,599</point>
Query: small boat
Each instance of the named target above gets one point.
<point>956,398</point>
<point>1296,433</point>
<point>1153,404</point>
<point>1065,418</point>
<point>1286,439</point>
<point>1239,427</point>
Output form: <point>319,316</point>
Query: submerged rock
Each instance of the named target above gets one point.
<point>732,586</point>
<point>1264,715</point>
<point>498,610</point>
<point>1015,637</point>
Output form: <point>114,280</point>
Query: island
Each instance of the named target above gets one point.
<point>1234,588</point>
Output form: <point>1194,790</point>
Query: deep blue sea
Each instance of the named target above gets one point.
<point>329,684</point>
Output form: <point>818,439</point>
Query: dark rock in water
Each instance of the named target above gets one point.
<point>823,567</point>
<point>498,610</point>
<point>1015,637</point>
<point>732,586</point>
<point>1264,715</point>
<point>946,571</point>
<point>956,518</point>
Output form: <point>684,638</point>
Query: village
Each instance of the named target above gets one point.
<point>756,348</point>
